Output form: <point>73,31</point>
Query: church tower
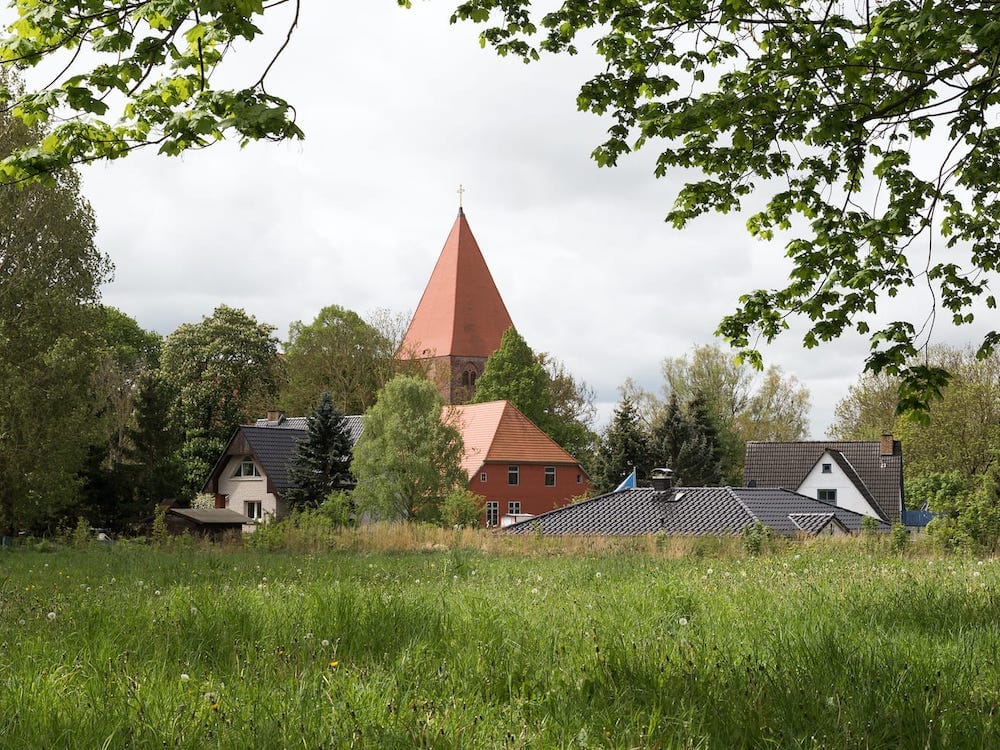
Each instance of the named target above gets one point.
<point>460,319</point>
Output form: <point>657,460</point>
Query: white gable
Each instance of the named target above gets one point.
<point>827,475</point>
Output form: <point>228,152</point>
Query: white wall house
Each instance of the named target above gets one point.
<point>864,476</point>
<point>833,480</point>
<point>252,473</point>
<point>243,484</point>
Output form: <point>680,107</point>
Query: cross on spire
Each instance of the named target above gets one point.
<point>460,191</point>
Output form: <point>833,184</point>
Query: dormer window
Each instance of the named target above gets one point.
<point>246,468</point>
<point>827,468</point>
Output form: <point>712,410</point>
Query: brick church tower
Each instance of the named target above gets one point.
<point>460,319</point>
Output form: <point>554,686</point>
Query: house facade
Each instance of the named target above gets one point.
<point>517,469</point>
<point>863,476</point>
<point>251,476</point>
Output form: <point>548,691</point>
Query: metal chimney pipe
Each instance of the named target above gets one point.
<point>662,479</point>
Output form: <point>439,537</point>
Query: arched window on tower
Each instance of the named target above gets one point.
<point>469,376</point>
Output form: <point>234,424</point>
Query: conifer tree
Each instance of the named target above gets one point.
<point>625,445</point>
<point>513,373</point>
<point>322,461</point>
<point>687,441</point>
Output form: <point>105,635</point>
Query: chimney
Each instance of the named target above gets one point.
<point>886,444</point>
<point>275,415</point>
<point>662,480</point>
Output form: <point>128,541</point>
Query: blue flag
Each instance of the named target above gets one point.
<point>628,483</point>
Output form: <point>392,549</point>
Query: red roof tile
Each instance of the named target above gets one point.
<point>461,312</point>
<point>498,432</point>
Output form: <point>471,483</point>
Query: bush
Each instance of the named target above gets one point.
<point>461,507</point>
<point>754,537</point>
<point>900,538</point>
<point>338,508</point>
<point>301,531</point>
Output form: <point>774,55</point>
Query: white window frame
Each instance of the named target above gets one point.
<point>550,472</point>
<point>831,495</point>
<point>492,513</point>
<point>827,469</point>
<point>513,472</point>
<point>241,469</point>
<point>249,506</point>
<point>482,477</point>
<point>513,507</point>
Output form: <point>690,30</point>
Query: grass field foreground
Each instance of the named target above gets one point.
<point>135,647</point>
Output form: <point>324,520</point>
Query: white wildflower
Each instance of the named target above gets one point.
<point>51,616</point>
<point>683,621</point>
<point>185,677</point>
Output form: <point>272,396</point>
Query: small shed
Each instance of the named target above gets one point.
<point>210,522</point>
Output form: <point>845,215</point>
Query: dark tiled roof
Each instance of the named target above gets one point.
<point>689,511</point>
<point>300,423</point>
<point>775,506</point>
<point>787,465</point>
<point>273,450</point>
<point>811,523</point>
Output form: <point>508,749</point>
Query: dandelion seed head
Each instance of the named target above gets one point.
<point>51,616</point>
<point>683,621</point>
<point>324,643</point>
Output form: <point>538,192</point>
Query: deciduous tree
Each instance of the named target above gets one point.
<point>338,353</point>
<point>223,370</point>
<point>742,404</point>
<point>408,458</point>
<point>962,432</point>
<point>829,110</point>
<point>50,273</point>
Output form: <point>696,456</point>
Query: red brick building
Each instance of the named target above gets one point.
<point>460,319</point>
<point>518,469</point>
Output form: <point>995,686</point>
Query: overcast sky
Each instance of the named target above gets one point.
<point>399,108</point>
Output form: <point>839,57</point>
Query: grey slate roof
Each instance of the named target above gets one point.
<point>694,511</point>
<point>812,523</point>
<point>787,464</point>
<point>299,423</point>
<point>273,450</point>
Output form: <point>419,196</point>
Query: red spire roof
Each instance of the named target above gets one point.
<point>461,313</point>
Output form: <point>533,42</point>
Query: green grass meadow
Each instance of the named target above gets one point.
<point>824,647</point>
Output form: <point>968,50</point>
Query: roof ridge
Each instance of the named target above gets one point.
<point>732,491</point>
